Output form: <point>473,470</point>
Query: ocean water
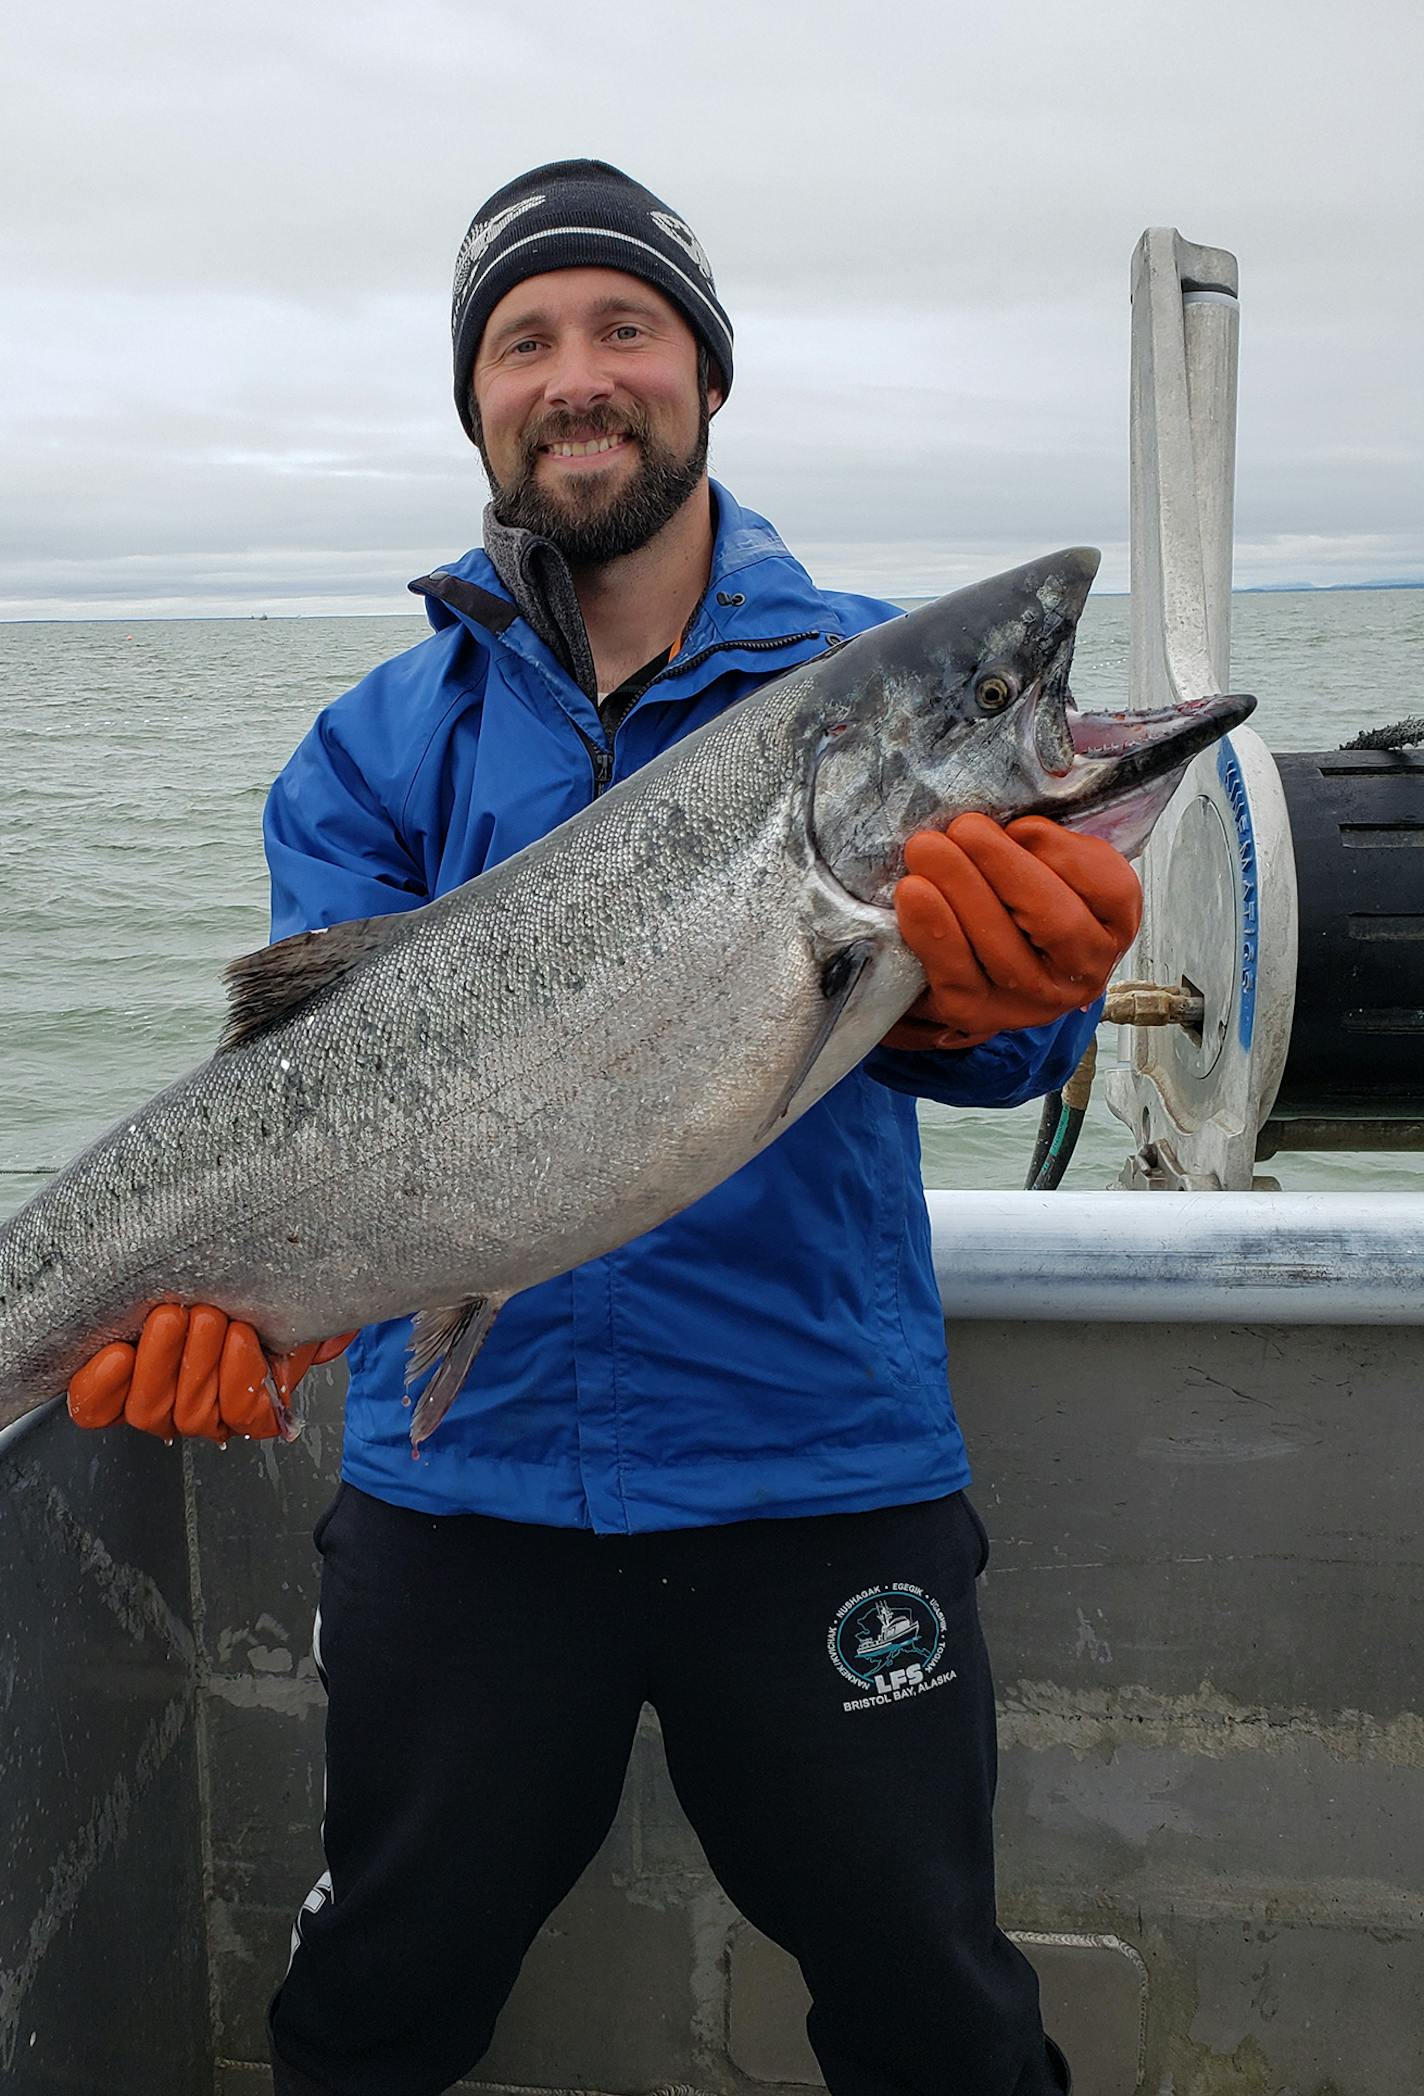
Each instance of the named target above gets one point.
<point>136,762</point>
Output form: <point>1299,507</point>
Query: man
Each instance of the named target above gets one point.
<point>742,1416</point>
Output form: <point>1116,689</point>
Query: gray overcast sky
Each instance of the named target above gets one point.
<point>224,368</point>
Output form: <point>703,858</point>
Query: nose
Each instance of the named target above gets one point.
<point>579,377</point>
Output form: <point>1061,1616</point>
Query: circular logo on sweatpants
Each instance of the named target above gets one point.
<point>888,1642</point>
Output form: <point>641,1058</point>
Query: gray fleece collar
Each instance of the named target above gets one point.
<point>537,577</point>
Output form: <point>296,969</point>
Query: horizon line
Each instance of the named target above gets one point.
<point>180,618</point>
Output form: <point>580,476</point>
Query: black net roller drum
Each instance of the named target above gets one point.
<point>1354,1074</point>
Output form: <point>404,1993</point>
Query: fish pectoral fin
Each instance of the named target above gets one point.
<point>269,985</point>
<point>839,977</point>
<point>446,1340</point>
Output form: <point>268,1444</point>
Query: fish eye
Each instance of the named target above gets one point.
<point>995,691</point>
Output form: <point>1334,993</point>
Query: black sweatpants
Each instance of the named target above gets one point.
<point>828,1717</point>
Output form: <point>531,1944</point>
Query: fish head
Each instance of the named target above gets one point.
<point>965,704</point>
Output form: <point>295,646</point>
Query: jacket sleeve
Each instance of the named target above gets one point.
<point>333,847</point>
<point>1005,1071</point>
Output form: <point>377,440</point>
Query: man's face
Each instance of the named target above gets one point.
<point>590,411</point>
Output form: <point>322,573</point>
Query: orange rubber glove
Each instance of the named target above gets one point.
<point>1013,927</point>
<point>195,1372</point>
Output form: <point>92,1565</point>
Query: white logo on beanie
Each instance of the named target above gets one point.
<point>686,239</point>
<point>479,237</point>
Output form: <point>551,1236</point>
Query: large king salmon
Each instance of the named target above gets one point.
<point>430,1111</point>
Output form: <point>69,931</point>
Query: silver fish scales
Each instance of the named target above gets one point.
<point>428,1112</point>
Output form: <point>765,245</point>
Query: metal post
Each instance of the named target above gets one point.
<point>1218,875</point>
<point>1211,326</point>
<point>1183,426</point>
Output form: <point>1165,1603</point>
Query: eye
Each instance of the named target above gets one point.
<point>995,691</point>
<point>626,330</point>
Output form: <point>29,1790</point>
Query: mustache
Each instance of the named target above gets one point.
<point>564,428</point>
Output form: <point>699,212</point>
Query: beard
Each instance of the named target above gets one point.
<point>587,521</point>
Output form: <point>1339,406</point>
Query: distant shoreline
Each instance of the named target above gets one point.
<point>1315,589</point>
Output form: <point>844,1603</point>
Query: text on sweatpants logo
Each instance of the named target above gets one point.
<point>889,1643</point>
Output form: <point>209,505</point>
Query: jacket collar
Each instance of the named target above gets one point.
<point>537,578</point>
<point>756,590</point>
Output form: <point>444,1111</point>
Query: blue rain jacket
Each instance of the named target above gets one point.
<point>776,1349</point>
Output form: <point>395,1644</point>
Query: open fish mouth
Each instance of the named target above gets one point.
<point>1111,774</point>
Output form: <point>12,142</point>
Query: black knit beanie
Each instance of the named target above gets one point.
<point>571,214</point>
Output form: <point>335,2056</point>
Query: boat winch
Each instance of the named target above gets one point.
<point>1284,895</point>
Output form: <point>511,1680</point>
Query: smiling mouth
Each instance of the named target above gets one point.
<point>595,447</point>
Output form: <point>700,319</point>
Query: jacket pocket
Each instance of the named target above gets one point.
<point>324,1520</point>
<point>980,1531</point>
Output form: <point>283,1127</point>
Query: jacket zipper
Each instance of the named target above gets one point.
<point>600,755</point>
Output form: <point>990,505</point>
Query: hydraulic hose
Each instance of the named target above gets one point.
<point>1059,1127</point>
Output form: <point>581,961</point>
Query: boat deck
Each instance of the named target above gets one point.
<point>1203,1604</point>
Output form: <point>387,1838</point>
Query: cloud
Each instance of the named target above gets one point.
<point>225,375</point>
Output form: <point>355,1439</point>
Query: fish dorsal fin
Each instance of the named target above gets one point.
<point>266,987</point>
